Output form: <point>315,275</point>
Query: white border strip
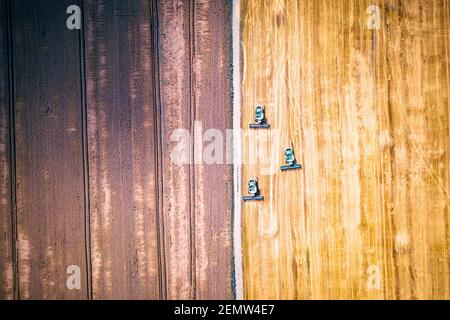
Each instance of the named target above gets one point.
<point>237,155</point>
